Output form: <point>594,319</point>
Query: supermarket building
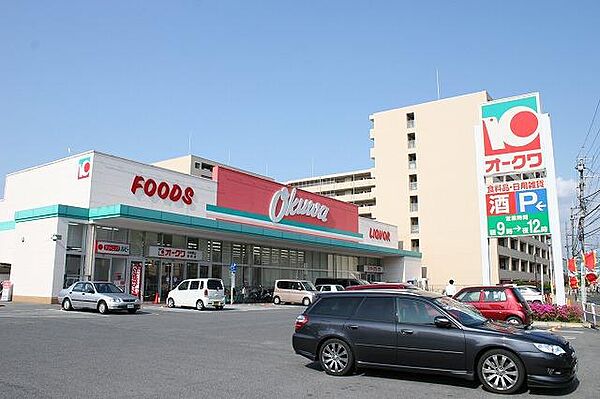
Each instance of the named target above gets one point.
<point>146,228</point>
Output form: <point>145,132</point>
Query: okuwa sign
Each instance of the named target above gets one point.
<point>260,197</point>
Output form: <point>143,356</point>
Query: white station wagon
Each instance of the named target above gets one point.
<point>199,293</point>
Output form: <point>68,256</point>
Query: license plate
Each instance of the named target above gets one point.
<point>217,303</point>
<point>129,306</point>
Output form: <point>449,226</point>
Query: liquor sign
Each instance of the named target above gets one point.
<point>112,248</point>
<point>517,208</point>
<point>512,131</point>
<point>174,253</point>
<point>136,278</point>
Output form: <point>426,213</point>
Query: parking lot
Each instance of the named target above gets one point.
<point>243,352</point>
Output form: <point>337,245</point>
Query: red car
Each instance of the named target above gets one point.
<point>497,303</point>
<point>383,286</point>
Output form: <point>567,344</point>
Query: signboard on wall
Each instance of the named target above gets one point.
<point>174,253</point>
<point>372,269</point>
<point>112,248</point>
<point>517,208</point>
<point>264,199</point>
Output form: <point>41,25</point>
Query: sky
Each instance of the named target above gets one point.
<point>278,87</point>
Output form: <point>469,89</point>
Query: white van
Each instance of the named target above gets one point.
<point>199,293</point>
<point>294,291</point>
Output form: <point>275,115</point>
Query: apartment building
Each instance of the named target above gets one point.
<point>425,182</point>
<point>356,187</point>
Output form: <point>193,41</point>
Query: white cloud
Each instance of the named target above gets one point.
<point>565,188</point>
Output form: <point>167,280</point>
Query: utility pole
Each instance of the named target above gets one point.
<point>581,223</point>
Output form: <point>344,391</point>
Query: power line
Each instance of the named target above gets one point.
<point>589,130</point>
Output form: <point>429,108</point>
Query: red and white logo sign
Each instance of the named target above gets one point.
<point>84,168</point>
<point>112,248</point>
<point>516,131</point>
<point>163,190</point>
<point>378,234</point>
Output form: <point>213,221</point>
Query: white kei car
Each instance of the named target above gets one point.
<point>199,293</point>
<point>531,293</point>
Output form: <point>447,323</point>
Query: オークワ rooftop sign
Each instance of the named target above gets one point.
<point>258,201</point>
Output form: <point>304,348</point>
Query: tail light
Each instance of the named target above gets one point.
<point>205,292</point>
<point>301,321</point>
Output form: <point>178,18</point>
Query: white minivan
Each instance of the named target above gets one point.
<point>199,293</point>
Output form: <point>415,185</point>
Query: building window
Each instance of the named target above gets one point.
<point>411,140</point>
<point>412,161</point>
<point>503,263</point>
<point>414,203</point>
<point>414,245</point>
<point>197,165</point>
<point>412,182</point>
<point>414,225</point>
<point>75,236</point>
<point>206,166</point>
<point>410,120</point>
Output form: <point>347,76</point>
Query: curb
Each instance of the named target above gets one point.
<point>560,324</point>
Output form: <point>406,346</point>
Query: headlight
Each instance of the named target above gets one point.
<point>554,349</point>
<point>116,299</point>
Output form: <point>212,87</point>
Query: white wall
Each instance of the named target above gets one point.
<point>53,183</point>
<point>38,259</point>
<point>401,268</point>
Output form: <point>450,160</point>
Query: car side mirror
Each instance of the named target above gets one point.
<point>442,322</point>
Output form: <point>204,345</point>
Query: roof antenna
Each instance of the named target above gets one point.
<point>437,81</point>
<point>190,143</point>
<point>69,150</point>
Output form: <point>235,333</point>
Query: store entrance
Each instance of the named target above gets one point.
<point>171,276</point>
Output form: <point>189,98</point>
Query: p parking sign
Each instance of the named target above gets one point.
<point>517,208</point>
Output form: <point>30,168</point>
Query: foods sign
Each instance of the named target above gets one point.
<point>512,135</point>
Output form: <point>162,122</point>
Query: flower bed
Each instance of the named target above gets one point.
<point>545,312</point>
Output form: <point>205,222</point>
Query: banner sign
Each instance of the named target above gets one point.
<point>511,135</point>
<point>517,208</point>
<point>174,253</point>
<point>136,278</point>
<point>112,248</point>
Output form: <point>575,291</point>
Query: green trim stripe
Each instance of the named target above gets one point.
<point>194,222</point>
<point>9,225</point>
<point>235,212</point>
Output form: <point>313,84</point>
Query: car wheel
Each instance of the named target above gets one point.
<point>537,301</point>
<point>66,305</point>
<point>335,357</point>
<point>170,303</point>
<point>514,320</point>
<point>102,307</point>
<point>306,301</point>
<point>199,304</point>
<point>501,371</point>
<point>132,311</point>
<point>277,300</point>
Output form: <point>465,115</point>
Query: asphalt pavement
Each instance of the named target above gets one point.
<point>183,353</point>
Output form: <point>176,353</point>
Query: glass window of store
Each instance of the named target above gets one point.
<point>73,268</point>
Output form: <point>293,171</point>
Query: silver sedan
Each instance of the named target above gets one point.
<point>99,295</point>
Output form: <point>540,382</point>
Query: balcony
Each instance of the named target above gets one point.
<point>414,207</point>
<point>410,124</point>
<point>412,144</point>
<point>412,186</point>
<point>411,165</point>
<point>414,229</point>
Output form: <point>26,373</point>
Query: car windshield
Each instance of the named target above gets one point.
<point>107,288</point>
<point>308,286</point>
<point>465,314</point>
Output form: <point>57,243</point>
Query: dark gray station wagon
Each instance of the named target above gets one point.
<point>426,332</point>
